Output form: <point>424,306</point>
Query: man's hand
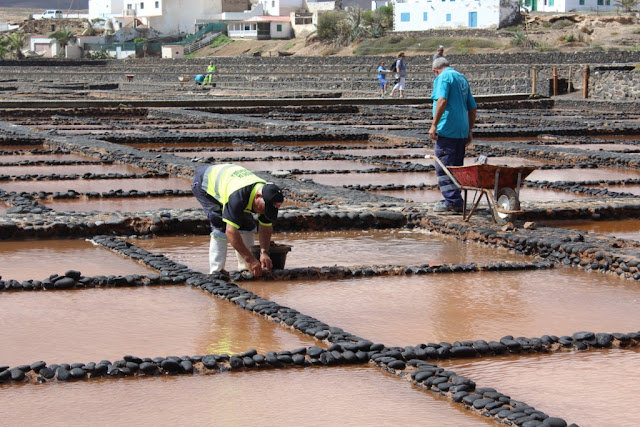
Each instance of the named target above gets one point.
<point>255,267</point>
<point>433,132</point>
<point>265,261</point>
<point>470,138</point>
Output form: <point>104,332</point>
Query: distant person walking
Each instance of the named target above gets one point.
<point>401,75</point>
<point>454,115</point>
<point>439,53</point>
<point>382,77</point>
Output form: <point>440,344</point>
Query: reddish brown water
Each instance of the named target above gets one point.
<point>37,259</point>
<point>582,174</point>
<point>3,208</point>
<point>9,147</point>
<point>129,204</point>
<point>146,321</point>
<point>233,154</point>
<point>600,388</point>
<point>620,228</point>
<point>305,165</point>
<point>70,169</point>
<point>599,147</point>
<point>365,247</point>
<point>42,157</point>
<point>386,151</point>
<point>528,194</point>
<point>99,185</point>
<point>401,178</point>
<point>445,307</point>
<point>309,397</point>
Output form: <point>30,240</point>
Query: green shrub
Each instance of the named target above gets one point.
<point>220,40</point>
<point>328,25</point>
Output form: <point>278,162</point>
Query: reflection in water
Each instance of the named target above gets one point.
<point>233,154</point>
<point>620,228</point>
<point>592,392</point>
<point>317,249</point>
<point>95,324</point>
<point>263,165</point>
<point>100,185</point>
<point>6,158</point>
<point>442,307</point>
<point>288,397</point>
<point>37,259</point>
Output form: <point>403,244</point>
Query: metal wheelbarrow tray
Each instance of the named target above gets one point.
<point>499,184</point>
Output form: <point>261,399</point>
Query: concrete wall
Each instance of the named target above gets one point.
<point>572,5</point>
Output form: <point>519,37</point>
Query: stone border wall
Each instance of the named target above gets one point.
<point>615,83</point>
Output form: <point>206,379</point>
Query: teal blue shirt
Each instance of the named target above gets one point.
<point>453,86</point>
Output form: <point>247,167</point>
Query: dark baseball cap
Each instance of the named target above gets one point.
<point>273,197</point>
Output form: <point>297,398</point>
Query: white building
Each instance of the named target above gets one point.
<point>280,7</point>
<point>164,16</point>
<point>418,15</point>
<point>570,5</point>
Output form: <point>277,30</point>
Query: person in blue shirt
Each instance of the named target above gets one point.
<point>454,115</point>
<point>382,77</point>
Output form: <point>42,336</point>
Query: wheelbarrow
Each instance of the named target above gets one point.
<point>499,184</point>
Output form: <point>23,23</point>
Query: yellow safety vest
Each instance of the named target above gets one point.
<point>220,181</point>
<point>211,68</point>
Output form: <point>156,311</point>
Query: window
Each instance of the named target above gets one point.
<point>448,17</point>
<point>608,2</point>
<point>141,5</point>
<point>279,28</point>
<point>157,5</point>
<point>550,2</point>
<point>581,2</point>
<point>405,17</point>
<point>600,3</point>
<point>273,3</point>
<point>247,27</point>
<point>129,6</point>
<point>424,16</point>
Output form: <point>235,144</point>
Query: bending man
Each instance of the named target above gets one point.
<point>454,114</point>
<point>230,194</point>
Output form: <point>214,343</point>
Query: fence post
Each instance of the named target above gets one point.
<point>555,81</point>
<point>534,80</point>
<point>585,82</point>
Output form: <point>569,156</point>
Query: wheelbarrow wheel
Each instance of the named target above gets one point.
<point>507,200</point>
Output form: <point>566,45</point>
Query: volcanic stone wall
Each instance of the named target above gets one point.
<point>615,82</point>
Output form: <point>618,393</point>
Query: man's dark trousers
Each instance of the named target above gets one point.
<point>450,151</point>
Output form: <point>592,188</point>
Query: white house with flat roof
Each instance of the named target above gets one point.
<point>570,5</point>
<point>419,15</point>
<point>164,16</point>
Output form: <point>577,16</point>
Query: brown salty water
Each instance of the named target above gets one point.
<point>400,178</point>
<point>37,259</point>
<point>583,174</point>
<point>366,152</point>
<point>348,248</point>
<point>528,194</point>
<point>450,307</point>
<point>6,158</point>
<point>506,161</point>
<point>126,204</point>
<point>70,169</point>
<point>95,324</point>
<point>594,388</point>
<point>3,208</point>
<point>633,189</point>
<point>99,185</point>
<point>234,154</point>
<point>284,397</point>
<point>147,145</point>
<point>620,228</point>
<point>305,165</point>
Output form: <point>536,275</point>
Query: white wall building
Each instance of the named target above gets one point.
<point>570,5</point>
<point>164,16</point>
<point>418,15</point>
<point>280,7</point>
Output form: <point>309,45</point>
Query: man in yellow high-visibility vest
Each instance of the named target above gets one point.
<point>211,70</point>
<point>230,195</point>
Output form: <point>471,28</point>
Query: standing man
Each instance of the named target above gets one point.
<point>439,53</point>
<point>382,78</point>
<point>401,75</point>
<point>230,194</point>
<point>454,115</point>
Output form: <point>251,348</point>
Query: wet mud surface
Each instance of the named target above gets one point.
<point>99,185</point>
<point>621,229</point>
<point>128,204</point>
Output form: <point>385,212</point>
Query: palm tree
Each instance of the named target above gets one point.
<point>63,37</point>
<point>15,42</point>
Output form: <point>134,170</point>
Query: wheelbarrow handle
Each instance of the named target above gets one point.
<point>445,169</point>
